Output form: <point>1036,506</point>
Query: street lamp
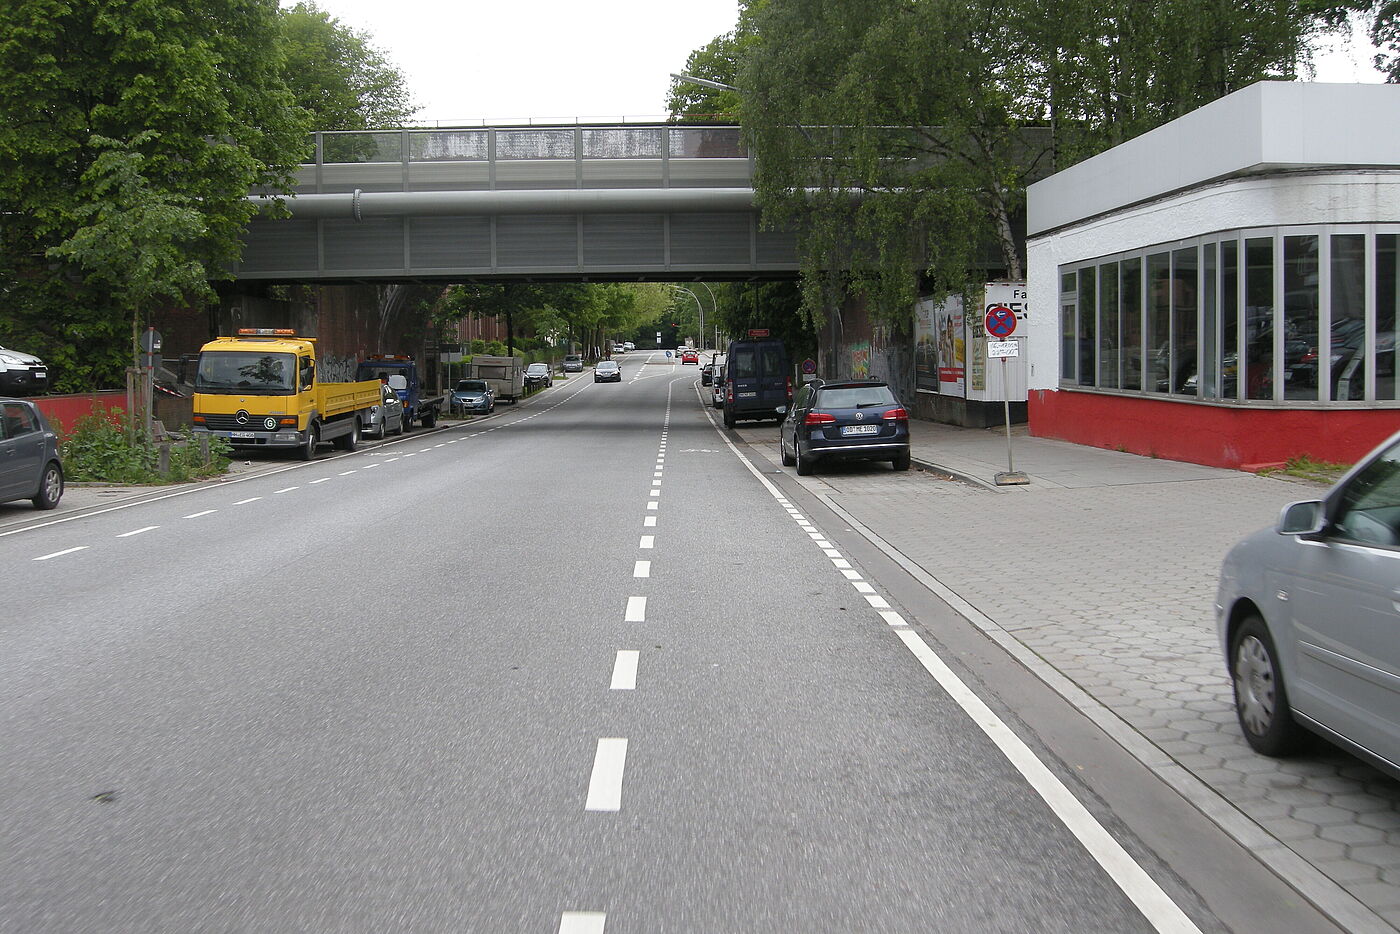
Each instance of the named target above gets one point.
<point>706,83</point>
<point>699,306</point>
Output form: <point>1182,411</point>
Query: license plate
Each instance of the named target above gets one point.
<point>41,374</point>
<point>242,434</point>
<point>747,395</point>
<point>859,429</point>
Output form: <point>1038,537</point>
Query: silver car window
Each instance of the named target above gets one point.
<point>1369,509</point>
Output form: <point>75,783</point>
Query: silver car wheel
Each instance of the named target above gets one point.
<point>1254,685</point>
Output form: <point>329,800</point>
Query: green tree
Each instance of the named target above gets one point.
<point>718,61</point>
<point>337,74</point>
<point>115,114</point>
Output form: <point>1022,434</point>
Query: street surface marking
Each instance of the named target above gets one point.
<point>624,676</point>
<point>649,522</point>
<point>877,601</point>
<point>652,505</point>
<point>863,587</point>
<point>582,922</point>
<point>893,618</point>
<point>196,515</point>
<point>850,574</point>
<point>251,499</point>
<point>823,543</point>
<point>656,483</point>
<point>391,460</point>
<point>831,552</point>
<point>59,554</point>
<point>648,541</point>
<point>426,450</point>
<point>347,473</point>
<point>288,489</point>
<point>605,784</point>
<point>841,562</point>
<point>323,480</point>
<point>655,492</point>
<point>370,466</point>
<point>636,610</point>
<point>657,474</point>
<point>138,531</point>
<point>641,569</point>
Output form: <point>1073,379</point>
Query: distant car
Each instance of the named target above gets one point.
<point>22,374</point>
<point>537,375</point>
<point>474,396</point>
<point>848,420</point>
<point>619,349</point>
<point>573,363</point>
<point>690,356</point>
<point>629,346</point>
<point>30,467</point>
<point>387,416</point>
<point>1306,618</point>
<point>607,371</point>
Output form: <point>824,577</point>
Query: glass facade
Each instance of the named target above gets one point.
<point>1288,315</point>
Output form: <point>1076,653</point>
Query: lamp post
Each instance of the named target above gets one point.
<point>706,83</point>
<point>699,307</point>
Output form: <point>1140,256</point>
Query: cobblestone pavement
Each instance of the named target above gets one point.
<point>1112,583</point>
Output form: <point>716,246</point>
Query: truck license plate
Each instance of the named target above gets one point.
<point>859,429</point>
<point>241,434</point>
<point>747,395</point>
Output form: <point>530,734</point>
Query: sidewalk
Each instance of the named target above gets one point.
<point>1111,565</point>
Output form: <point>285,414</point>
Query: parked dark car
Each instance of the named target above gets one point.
<point>757,381</point>
<point>573,363</point>
<point>851,420</point>
<point>707,374</point>
<point>22,374</point>
<point>30,467</point>
<point>537,376</point>
<point>1306,612</point>
<point>607,371</point>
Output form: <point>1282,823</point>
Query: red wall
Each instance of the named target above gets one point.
<point>63,412</point>
<point>1215,435</point>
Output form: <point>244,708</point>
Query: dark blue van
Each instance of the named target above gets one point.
<point>757,381</point>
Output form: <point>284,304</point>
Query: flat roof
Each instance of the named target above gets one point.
<point>1268,126</point>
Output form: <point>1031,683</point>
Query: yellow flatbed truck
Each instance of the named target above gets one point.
<point>259,389</point>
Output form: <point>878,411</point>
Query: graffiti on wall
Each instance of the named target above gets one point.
<point>336,369</point>
<point>860,360</point>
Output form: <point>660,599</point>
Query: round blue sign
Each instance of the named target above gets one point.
<point>1001,321</point>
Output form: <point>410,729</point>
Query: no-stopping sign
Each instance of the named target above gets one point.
<point>1001,321</point>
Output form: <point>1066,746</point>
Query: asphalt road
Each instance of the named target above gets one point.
<point>578,665</point>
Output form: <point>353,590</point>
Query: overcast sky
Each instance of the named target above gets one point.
<point>498,60</point>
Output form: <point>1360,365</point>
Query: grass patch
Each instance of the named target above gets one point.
<point>1305,468</point>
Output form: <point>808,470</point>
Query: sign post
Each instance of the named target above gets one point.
<point>1001,324</point>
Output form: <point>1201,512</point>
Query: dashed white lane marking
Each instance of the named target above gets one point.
<point>346,473</point>
<point>656,483</point>
<point>649,522</point>
<point>605,784</point>
<point>893,618</point>
<point>624,676</point>
<point>636,610</point>
<point>582,922</point>
<point>657,474</point>
<point>863,587</point>
<point>59,554</point>
<point>851,575</point>
<point>196,515</point>
<point>426,450</point>
<point>323,480</point>
<point>391,460</point>
<point>244,502</point>
<point>641,569</point>
<point>821,542</point>
<point>285,489</point>
<point>655,492</point>
<point>831,552</point>
<point>841,562</point>
<point>652,505</point>
<point>413,453</point>
<point>370,466</point>
<point>648,541</point>
<point>138,531</point>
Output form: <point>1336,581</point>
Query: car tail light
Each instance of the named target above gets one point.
<point>819,418</point>
<point>729,392</point>
<point>789,388</point>
<point>896,415</point>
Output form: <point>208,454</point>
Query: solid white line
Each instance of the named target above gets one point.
<point>648,541</point>
<point>605,784</point>
<point>636,610</point>
<point>137,531</point>
<point>196,515</point>
<point>641,569</point>
<point>624,676</point>
<point>57,554</point>
<point>251,499</point>
<point>582,922</point>
<point>1156,906</point>
<point>649,522</point>
<point>286,489</point>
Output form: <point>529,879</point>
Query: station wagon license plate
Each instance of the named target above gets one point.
<point>241,434</point>
<point>859,429</point>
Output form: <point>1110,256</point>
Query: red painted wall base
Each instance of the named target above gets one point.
<point>1237,437</point>
<point>63,412</point>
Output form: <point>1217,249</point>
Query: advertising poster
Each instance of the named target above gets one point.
<point>940,347</point>
<point>925,347</point>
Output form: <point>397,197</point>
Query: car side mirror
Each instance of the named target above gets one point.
<point>1302,518</point>
<point>398,381</point>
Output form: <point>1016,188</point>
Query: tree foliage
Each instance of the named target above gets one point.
<point>717,61</point>
<point>583,311</point>
<point>338,75</point>
<point>900,135</point>
<point>130,135</point>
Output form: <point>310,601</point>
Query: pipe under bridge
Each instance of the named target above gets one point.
<point>639,202</point>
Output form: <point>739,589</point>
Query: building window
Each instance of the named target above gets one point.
<point>1263,316</point>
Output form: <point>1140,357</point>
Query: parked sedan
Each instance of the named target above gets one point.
<point>537,376</point>
<point>852,420</point>
<point>474,396</point>
<point>22,373</point>
<point>1306,616</point>
<point>30,467</point>
<point>573,363</point>
<point>607,371</point>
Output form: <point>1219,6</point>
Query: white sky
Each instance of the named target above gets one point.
<point>508,60</point>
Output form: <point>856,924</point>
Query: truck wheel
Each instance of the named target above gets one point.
<point>351,441</point>
<point>430,418</point>
<point>307,451</point>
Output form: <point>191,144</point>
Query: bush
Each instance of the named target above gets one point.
<point>100,449</point>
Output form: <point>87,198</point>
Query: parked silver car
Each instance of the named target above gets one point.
<point>1307,614</point>
<point>387,416</point>
<point>22,373</point>
<point>30,467</point>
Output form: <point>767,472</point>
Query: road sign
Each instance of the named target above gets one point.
<point>1001,321</point>
<point>809,366</point>
<point>1003,349</point>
